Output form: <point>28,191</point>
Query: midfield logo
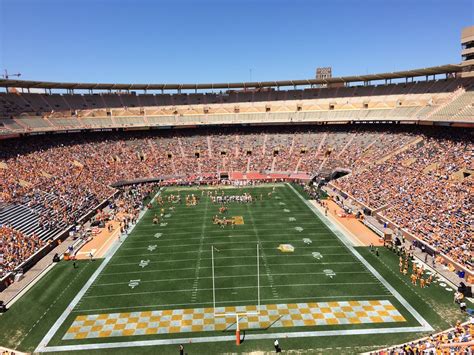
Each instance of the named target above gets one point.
<point>134,283</point>
<point>152,247</point>
<point>144,263</point>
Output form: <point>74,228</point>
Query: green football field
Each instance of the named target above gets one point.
<point>159,286</point>
<point>186,263</point>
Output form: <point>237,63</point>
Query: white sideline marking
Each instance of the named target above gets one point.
<point>231,338</point>
<point>43,345</point>
<point>425,325</point>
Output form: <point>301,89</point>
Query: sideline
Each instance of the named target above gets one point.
<point>213,339</point>
<point>42,346</point>
<point>97,346</point>
<point>348,232</point>
<point>425,325</point>
<point>30,285</point>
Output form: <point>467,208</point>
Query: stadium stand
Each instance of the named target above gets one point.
<point>421,190</point>
<point>48,183</point>
<point>436,100</point>
<point>456,340</point>
<point>15,247</point>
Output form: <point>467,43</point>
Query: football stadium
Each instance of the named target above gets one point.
<point>327,215</point>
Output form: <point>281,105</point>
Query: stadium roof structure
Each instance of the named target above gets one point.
<point>28,84</point>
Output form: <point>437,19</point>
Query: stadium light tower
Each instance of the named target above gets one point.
<point>6,75</point>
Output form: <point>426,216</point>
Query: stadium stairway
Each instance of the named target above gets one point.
<point>25,220</point>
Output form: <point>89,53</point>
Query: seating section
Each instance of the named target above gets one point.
<point>457,340</point>
<point>408,101</point>
<point>460,108</point>
<point>419,179</point>
<point>426,189</point>
<point>15,247</point>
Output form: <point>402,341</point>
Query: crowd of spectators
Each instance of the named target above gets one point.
<point>447,342</point>
<point>427,190</point>
<point>15,247</point>
<point>64,176</point>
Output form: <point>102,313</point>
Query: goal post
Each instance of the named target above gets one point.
<point>236,314</point>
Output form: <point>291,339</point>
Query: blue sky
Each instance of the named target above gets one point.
<point>141,41</point>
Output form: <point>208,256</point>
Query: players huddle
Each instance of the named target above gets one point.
<point>216,197</point>
<point>245,198</point>
<point>190,199</point>
<point>417,271</point>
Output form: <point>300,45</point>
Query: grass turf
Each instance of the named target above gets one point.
<point>179,272</point>
<point>26,322</point>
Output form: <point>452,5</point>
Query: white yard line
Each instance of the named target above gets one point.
<point>134,294</point>
<point>30,285</point>
<point>252,301</point>
<point>224,277</point>
<point>56,300</point>
<point>199,259</point>
<point>231,235</point>
<point>221,243</point>
<point>172,261</point>
<point>224,249</point>
<point>218,267</point>
<point>42,346</point>
<point>288,255</point>
<point>424,324</point>
<point>218,230</point>
<point>190,222</point>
